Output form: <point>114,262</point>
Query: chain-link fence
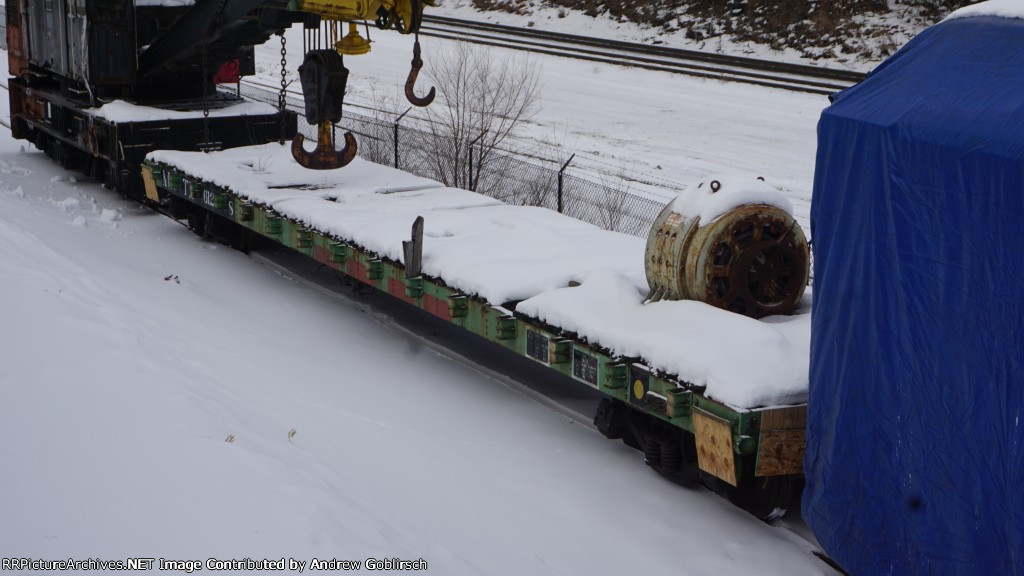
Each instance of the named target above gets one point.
<point>413,146</point>
<point>3,21</point>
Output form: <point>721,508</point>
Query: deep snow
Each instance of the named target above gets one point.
<point>132,352</point>
<point>151,383</point>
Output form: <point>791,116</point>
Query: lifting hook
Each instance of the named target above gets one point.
<point>410,82</point>
<point>324,156</point>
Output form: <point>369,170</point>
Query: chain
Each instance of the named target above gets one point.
<point>206,102</point>
<point>284,84</point>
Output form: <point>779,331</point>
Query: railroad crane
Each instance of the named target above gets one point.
<point>98,84</point>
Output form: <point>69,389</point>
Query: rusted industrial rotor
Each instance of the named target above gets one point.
<point>753,260</point>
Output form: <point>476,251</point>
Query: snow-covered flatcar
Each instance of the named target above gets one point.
<point>704,392</point>
<point>131,92</point>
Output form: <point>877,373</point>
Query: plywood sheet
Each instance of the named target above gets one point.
<point>783,440</point>
<point>784,418</point>
<point>714,446</point>
<point>780,452</point>
<point>150,184</point>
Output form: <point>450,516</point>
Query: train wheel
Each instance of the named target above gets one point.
<point>178,209</point>
<point>241,239</point>
<point>196,221</point>
<point>767,497</point>
<point>97,169</point>
<point>669,451</point>
<point>677,457</point>
<point>610,419</point>
<point>209,228</point>
<point>40,140</point>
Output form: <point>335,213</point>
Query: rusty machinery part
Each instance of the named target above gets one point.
<point>410,82</point>
<point>323,76</point>
<point>753,260</point>
<point>324,156</point>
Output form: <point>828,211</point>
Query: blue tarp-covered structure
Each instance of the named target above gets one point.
<point>915,440</point>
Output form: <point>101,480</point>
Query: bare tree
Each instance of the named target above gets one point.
<point>483,98</point>
<point>611,204</point>
<point>538,188</point>
<point>376,132</point>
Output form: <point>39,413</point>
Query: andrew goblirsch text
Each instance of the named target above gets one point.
<point>214,564</point>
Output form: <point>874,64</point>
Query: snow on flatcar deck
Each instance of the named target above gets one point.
<point>508,254</point>
<point>122,111</point>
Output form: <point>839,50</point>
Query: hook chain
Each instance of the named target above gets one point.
<point>206,102</point>
<point>284,85</point>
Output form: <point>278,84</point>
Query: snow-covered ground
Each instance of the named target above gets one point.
<point>152,382</point>
<point>890,30</point>
<point>165,397</point>
<point>651,126</point>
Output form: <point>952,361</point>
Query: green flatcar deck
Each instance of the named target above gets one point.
<point>731,443</point>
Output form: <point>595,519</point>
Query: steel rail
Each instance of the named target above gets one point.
<point>799,77</point>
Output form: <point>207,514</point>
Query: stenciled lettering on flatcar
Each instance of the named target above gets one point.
<point>584,366</point>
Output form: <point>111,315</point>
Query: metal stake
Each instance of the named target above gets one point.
<point>560,173</point>
<point>471,144</point>
<point>397,120</point>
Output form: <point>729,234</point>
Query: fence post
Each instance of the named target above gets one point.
<point>397,120</point>
<point>560,173</point>
<point>471,144</point>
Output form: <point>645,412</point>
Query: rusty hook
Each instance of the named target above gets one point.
<point>410,82</point>
<point>324,156</point>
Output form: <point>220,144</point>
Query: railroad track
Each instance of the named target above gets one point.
<point>797,77</point>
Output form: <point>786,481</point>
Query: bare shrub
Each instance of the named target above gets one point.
<point>377,134</point>
<point>531,188</point>
<point>611,205</point>
<point>482,99</point>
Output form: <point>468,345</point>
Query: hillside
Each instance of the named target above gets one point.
<point>849,33</point>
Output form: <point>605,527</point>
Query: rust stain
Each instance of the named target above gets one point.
<point>397,289</point>
<point>323,255</point>
<point>358,271</point>
<point>753,260</point>
<point>437,306</point>
<point>324,156</point>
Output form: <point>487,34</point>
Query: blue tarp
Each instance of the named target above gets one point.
<point>915,438</point>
